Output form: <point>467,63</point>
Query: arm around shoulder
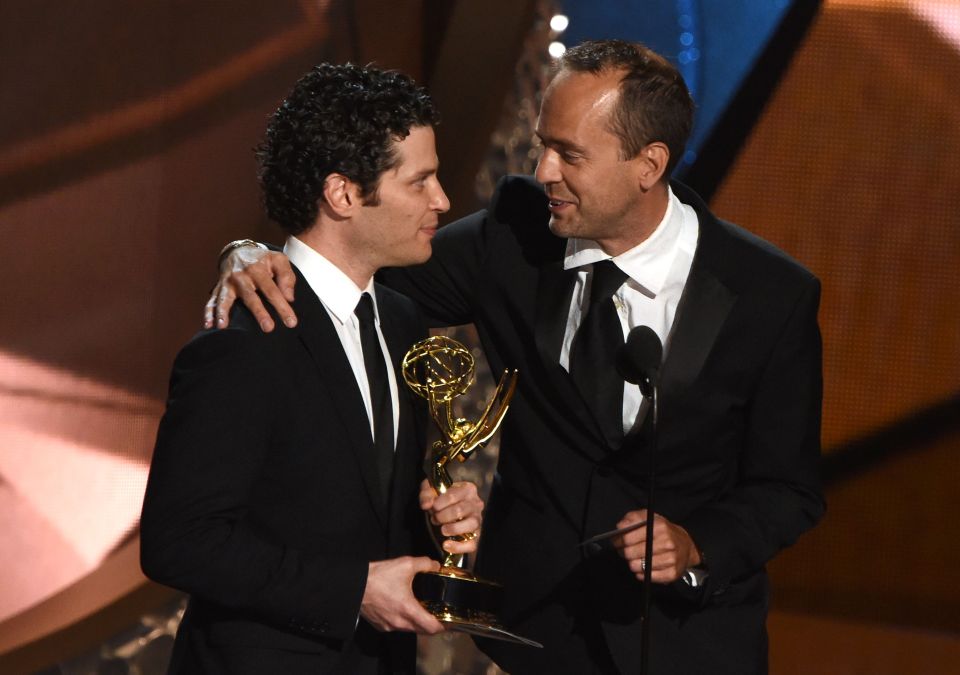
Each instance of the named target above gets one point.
<point>247,270</point>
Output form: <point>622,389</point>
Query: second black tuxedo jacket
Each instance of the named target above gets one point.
<point>738,442</point>
<point>263,500</point>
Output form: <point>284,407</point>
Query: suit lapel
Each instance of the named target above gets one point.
<point>554,292</point>
<point>704,306</point>
<point>392,324</point>
<point>702,310</point>
<point>320,339</point>
<point>399,334</point>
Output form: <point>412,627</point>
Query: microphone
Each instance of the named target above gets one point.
<point>638,362</point>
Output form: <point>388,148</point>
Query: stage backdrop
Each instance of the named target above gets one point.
<point>126,162</point>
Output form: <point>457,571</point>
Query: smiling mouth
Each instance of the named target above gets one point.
<point>558,204</point>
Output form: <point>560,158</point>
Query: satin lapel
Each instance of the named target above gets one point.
<point>703,308</point>
<point>408,458</point>
<point>554,292</point>
<point>320,339</point>
<point>391,323</point>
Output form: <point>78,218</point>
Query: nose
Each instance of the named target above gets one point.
<point>439,202</point>
<point>548,167</point>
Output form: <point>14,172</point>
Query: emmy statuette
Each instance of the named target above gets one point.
<point>439,369</point>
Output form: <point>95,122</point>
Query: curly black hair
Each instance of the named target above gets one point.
<point>654,104</point>
<point>338,119</point>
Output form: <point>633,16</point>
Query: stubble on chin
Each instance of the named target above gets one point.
<point>561,228</point>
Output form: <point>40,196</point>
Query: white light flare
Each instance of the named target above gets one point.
<point>559,23</point>
<point>556,49</point>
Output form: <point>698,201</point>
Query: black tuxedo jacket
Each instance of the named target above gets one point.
<point>263,500</point>
<point>737,455</point>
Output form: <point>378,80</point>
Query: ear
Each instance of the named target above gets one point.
<point>653,160</point>
<point>340,194</point>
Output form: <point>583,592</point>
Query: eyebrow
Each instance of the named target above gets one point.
<point>563,145</point>
<point>426,173</point>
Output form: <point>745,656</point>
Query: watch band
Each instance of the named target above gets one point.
<point>695,577</point>
<point>235,244</point>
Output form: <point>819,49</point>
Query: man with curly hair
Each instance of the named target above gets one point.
<point>290,514</point>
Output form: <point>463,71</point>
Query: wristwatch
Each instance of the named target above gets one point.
<point>695,577</point>
<point>235,244</point>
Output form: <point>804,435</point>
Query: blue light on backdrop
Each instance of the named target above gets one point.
<point>714,44</point>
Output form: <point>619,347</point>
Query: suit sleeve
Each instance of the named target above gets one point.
<point>213,440</point>
<point>777,495</point>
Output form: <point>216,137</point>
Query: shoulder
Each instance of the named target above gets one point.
<point>242,341</point>
<point>401,309</point>
<point>758,256</point>
<point>516,218</point>
<point>519,216</point>
<point>396,302</point>
<point>741,258</point>
<point>519,199</point>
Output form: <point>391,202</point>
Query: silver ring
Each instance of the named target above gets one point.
<point>643,564</point>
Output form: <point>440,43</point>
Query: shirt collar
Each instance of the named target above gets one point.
<point>647,263</point>
<point>335,289</point>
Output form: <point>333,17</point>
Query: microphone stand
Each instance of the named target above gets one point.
<point>639,362</point>
<point>650,389</point>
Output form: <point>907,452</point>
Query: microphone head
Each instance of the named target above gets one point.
<point>638,361</point>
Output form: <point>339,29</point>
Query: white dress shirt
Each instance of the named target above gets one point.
<point>657,270</point>
<point>340,296</point>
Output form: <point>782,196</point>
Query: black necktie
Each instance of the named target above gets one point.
<point>376,366</point>
<point>594,353</point>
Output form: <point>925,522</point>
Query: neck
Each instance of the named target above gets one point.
<point>640,223</point>
<point>323,241</point>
